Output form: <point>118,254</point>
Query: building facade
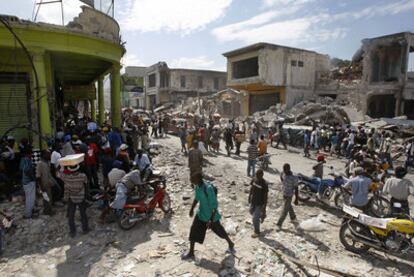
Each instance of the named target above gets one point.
<point>133,87</point>
<point>387,87</point>
<point>164,84</point>
<point>269,74</point>
<point>45,66</point>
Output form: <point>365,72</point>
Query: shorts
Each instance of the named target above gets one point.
<point>199,229</point>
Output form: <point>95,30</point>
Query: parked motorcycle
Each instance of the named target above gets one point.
<point>309,186</point>
<point>360,232</point>
<point>138,209</point>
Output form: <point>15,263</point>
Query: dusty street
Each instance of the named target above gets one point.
<point>42,247</point>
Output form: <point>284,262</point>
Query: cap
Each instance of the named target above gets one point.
<point>123,147</point>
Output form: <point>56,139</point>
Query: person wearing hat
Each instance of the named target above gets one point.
<point>359,186</point>
<point>318,167</point>
<point>67,148</point>
<point>123,157</point>
<point>75,187</point>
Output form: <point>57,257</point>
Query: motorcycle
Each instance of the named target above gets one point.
<point>360,232</point>
<point>378,205</point>
<point>264,161</point>
<point>137,209</point>
<point>311,186</point>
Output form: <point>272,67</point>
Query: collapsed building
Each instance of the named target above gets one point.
<point>164,84</point>
<point>387,87</point>
<point>269,74</point>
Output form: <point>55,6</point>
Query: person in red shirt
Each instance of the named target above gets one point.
<point>202,134</point>
<point>91,164</point>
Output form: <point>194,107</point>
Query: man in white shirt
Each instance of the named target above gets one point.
<point>143,163</point>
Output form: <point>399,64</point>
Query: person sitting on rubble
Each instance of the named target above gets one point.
<point>360,188</point>
<point>143,163</point>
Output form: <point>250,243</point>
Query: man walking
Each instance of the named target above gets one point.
<point>258,201</point>
<point>207,216</point>
<point>28,181</point>
<point>46,182</point>
<point>195,161</point>
<point>290,184</point>
<point>252,154</point>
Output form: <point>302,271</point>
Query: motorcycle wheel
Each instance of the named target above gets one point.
<point>347,239</point>
<point>166,203</point>
<point>304,192</point>
<point>123,220</point>
<point>340,199</point>
<point>327,193</point>
<point>379,206</point>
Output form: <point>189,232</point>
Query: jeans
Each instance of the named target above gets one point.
<point>256,212</point>
<point>251,168</point>
<point>71,216</point>
<point>287,208</point>
<point>30,196</point>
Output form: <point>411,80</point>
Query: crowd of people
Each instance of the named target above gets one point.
<point>119,160</point>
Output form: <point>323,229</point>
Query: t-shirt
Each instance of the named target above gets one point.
<point>54,158</point>
<point>75,186</point>
<point>258,192</point>
<point>90,157</point>
<point>289,182</point>
<point>207,200</point>
<point>195,160</point>
<point>142,162</point>
<point>252,152</point>
<point>26,167</point>
<point>360,188</point>
<point>262,147</point>
<point>399,189</point>
<point>318,168</point>
<point>43,172</point>
<point>115,175</point>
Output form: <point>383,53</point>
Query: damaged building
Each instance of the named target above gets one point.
<point>46,68</point>
<point>387,87</point>
<point>269,74</point>
<point>164,84</point>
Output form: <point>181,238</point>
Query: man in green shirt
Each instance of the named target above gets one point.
<point>207,216</point>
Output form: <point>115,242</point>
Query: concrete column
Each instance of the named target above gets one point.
<point>101,100</point>
<point>41,95</point>
<point>116,96</point>
<point>93,110</point>
<point>397,107</point>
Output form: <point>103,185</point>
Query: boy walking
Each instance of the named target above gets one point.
<point>207,216</point>
<point>252,154</point>
<point>290,184</point>
<point>258,201</point>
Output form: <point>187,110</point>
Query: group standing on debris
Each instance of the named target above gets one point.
<point>83,158</point>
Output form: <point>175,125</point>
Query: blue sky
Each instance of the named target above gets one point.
<point>194,33</point>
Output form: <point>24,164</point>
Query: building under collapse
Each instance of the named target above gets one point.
<point>269,74</point>
<point>44,66</point>
<point>164,84</point>
<point>387,87</point>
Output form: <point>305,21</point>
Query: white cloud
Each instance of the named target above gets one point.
<point>131,60</point>
<point>52,13</point>
<point>183,16</point>
<point>301,28</point>
<point>199,62</point>
<point>269,3</point>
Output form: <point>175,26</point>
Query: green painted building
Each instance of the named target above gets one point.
<point>44,66</point>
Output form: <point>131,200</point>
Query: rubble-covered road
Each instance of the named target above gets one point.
<point>42,247</point>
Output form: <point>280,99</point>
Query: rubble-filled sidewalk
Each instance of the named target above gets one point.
<point>42,247</point>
